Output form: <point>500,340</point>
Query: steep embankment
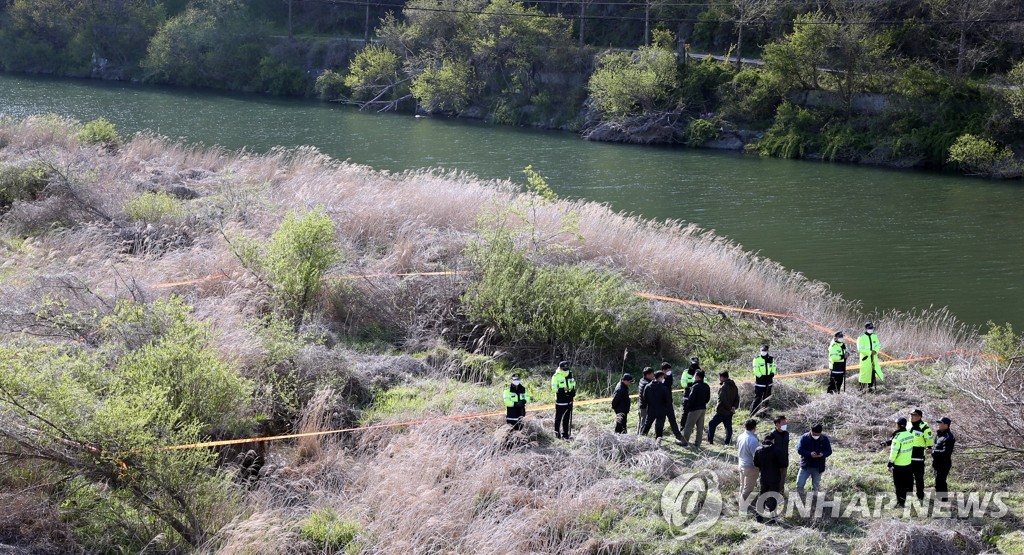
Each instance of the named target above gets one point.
<point>156,294</point>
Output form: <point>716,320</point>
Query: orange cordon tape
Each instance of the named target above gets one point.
<point>455,418</point>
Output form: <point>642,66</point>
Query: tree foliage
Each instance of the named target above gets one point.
<point>627,84</point>
<point>104,413</point>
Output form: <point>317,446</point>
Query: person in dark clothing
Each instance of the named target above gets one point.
<point>658,400</point>
<point>686,382</point>
<point>942,456</point>
<point>767,459</point>
<point>902,442</point>
<point>667,369</point>
<point>696,407</point>
<point>641,403</point>
<point>781,434</point>
<point>621,403</point>
<point>516,398</point>
<point>814,448</point>
<point>728,402</point>
<point>837,359</point>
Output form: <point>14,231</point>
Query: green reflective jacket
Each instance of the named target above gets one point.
<point>761,368</point>
<point>511,397</point>
<point>902,449</point>
<point>868,345</point>
<point>837,351</point>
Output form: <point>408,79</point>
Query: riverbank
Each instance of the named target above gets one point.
<point>159,294</point>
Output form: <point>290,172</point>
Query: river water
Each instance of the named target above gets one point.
<point>889,239</point>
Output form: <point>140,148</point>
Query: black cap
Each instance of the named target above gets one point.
<point>564,364</point>
<point>869,326</point>
<point>816,428</point>
<point>515,376</point>
<point>901,421</point>
<point>627,377</point>
<point>665,366</point>
<point>839,335</point>
<point>658,374</point>
<point>648,370</point>
<point>694,360</point>
<point>944,420</point>
<point>764,347</point>
<point>779,418</point>
<point>917,412</point>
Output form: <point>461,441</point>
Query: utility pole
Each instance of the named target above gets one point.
<point>366,25</point>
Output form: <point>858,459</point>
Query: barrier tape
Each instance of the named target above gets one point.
<point>537,408</point>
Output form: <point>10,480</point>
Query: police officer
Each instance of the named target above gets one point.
<point>764,375</point>
<point>686,381</point>
<point>621,403</point>
<point>667,369</point>
<point>868,346</point>
<point>837,358</point>
<point>563,384</point>
<point>641,402</point>
<point>516,398</point>
<point>899,461</point>
<point>923,439</point>
<point>658,400</point>
<point>942,456</point>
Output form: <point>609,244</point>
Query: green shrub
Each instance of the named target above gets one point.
<point>330,533</point>
<point>330,85</point>
<point>700,131</point>
<point>21,183</point>
<point>159,207</point>
<point>375,71</point>
<point>447,88</point>
<point>565,306</point>
<point>292,263</point>
<point>977,154</point>
<point>1002,341</point>
<point>280,78</point>
<point>99,132</point>
<point>627,84</point>
<point>841,142</point>
<point>793,134</point>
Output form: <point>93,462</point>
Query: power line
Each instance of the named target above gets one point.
<point>873,22</point>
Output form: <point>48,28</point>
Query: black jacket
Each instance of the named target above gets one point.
<point>782,446</point>
<point>659,400</point>
<point>944,444</point>
<point>766,458</point>
<point>700,395</point>
<point>669,381</point>
<point>692,371</point>
<point>621,401</point>
<point>640,389</point>
<point>728,398</point>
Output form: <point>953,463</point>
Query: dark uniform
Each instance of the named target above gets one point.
<point>686,381</point>
<point>641,402</point>
<point>942,458</point>
<point>902,443</point>
<point>621,404</point>
<point>563,384</point>
<point>768,460</point>
<point>764,375</point>
<point>658,398</point>
<point>671,403</point>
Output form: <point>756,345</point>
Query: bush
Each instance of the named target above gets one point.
<point>446,89</point>
<point>375,70</point>
<point>278,78</point>
<point>155,381</point>
<point>21,183</point>
<point>159,207</point>
<point>794,134</point>
<point>978,155</point>
<point>330,532</point>
<point>629,84</point>
<point>700,131</point>
<point>292,263</point>
<point>330,85</point>
<point>99,132</point>
<point>564,306</point>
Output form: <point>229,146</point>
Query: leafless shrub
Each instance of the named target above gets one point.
<point>892,537</point>
<point>315,418</point>
<point>799,542</point>
<point>262,533</point>
<point>989,414</point>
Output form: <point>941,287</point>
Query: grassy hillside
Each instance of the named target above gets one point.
<point>158,294</point>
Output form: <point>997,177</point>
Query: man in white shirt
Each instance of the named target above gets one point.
<point>746,444</point>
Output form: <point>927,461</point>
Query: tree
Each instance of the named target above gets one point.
<point>799,57</point>
<point>376,79</point>
<point>446,88</point>
<point>968,34</point>
<point>1014,93</point>
<point>105,414</point>
<point>626,84</point>
<point>293,262</point>
<point>745,13</point>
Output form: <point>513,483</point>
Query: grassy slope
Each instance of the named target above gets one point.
<point>465,486</point>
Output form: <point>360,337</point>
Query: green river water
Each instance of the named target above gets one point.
<point>890,239</point>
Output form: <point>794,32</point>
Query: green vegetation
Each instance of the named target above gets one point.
<point>21,183</point>
<point>393,381</point>
<point>99,132</point>
<point>156,207</point>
